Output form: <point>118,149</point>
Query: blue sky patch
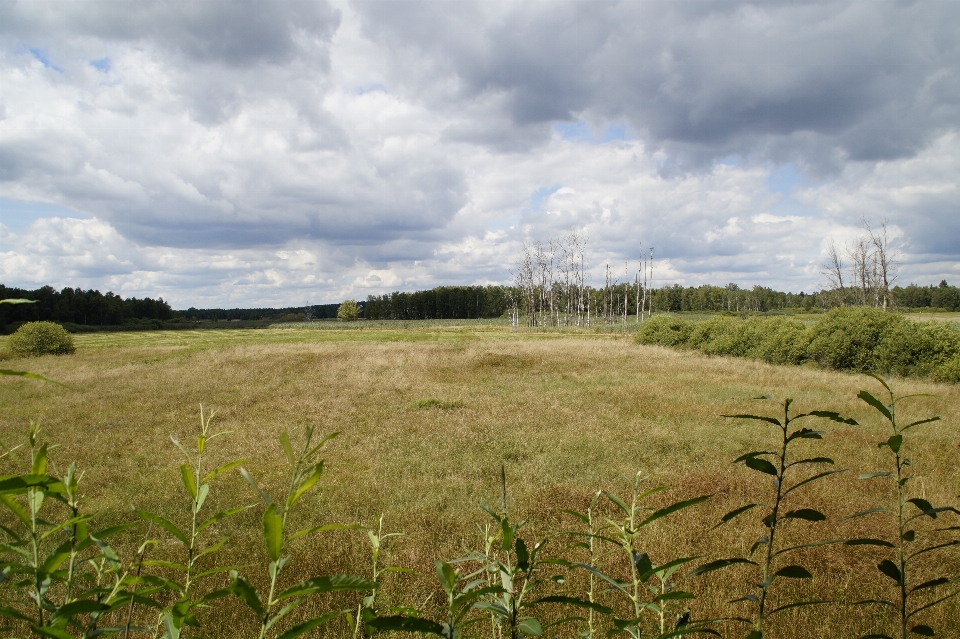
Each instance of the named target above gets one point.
<point>538,197</point>
<point>41,56</point>
<point>581,132</point>
<point>103,64</point>
<point>785,179</point>
<point>17,215</point>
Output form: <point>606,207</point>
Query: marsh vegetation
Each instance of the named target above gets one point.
<point>428,416</point>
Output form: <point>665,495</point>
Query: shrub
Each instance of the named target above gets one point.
<point>706,332</point>
<point>949,371</point>
<point>348,311</point>
<point>34,339</point>
<point>848,338</point>
<point>665,331</point>
<point>784,342</point>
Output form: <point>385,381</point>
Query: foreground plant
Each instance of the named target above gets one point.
<point>305,472</point>
<point>71,578</point>
<point>196,485</point>
<point>911,598</point>
<point>783,469</point>
<point>651,590</point>
<point>506,574</point>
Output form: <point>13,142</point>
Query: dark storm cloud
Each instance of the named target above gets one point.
<point>231,32</point>
<point>867,80</point>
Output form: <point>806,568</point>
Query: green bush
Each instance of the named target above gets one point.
<point>349,311</point>
<point>664,330</point>
<point>948,371</point>
<point>852,339</point>
<point>849,338</point>
<point>784,342</point>
<point>705,333</point>
<point>34,339</point>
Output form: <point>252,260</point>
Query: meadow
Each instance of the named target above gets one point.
<point>429,412</point>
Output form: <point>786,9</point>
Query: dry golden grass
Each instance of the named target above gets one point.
<point>566,415</point>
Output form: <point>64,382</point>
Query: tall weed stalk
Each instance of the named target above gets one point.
<point>908,512</point>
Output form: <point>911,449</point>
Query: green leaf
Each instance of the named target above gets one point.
<point>165,524</point>
<point>186,475</point>
<point>807,514</point>
<point>812,460</point>
<point>868,542</point>
<point>733,514</point>
<point>57,557</point>
<point>252,482</point>
<point>925,507</point>
<point>673,595</point>
<point>75,608</point>
<point>833,416</point>
<point>644,566</point>
<point>113,560</point>
<point>895,442</point>
<point>933,583</point>
<point>890,569</point>
<point>761,465</point>
<point>876,403</point>
<point>718,564</point>
<point>619,502</point>
<point>447,575</point>
<point>53,633</point>
<point>523,556</point>
<point>10,613</point>
<point>808,480</point>
<point>918,423</point>
<point>4,371</point>
<point>793,572</point>
<point>221,515</point>
<point>530,627</point>
<point>17,485</point>
<point>923,631</point>
<point>406,624</point>
<point>805,433</point>
<point>507,533</point>
<point>799,604</point>
<point>221,469</point>
<point>333,583</point>
<point>579,516</point>
<point>307,484</point>
<point>761,418</point>
<point>273,532</point>
<point>573,601</point>
<point>873,475</point>
<point>672,508</point>
<point>321,444</point>
<point>287,448</point>
<point>247,593</point>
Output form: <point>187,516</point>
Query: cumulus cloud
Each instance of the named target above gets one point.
<point>254,152</point>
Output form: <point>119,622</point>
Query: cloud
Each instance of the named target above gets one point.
<point>247,152</point>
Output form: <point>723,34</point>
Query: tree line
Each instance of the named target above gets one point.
<point>76,306</point>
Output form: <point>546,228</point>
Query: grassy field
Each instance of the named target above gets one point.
<point>566,414</point>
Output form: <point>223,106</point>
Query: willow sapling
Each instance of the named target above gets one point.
<point>305,472</point>
<point>650,589</point>
<point>43,538</point>
<point>784,470</point>
<point>908,512</point>
<point>196,484</point>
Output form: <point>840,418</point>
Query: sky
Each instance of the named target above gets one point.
<point>236,153</point>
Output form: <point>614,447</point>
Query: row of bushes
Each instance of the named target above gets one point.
<point>850,339</point>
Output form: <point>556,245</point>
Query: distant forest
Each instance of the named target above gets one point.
<point>470,302</point>
<point>77,308</point>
